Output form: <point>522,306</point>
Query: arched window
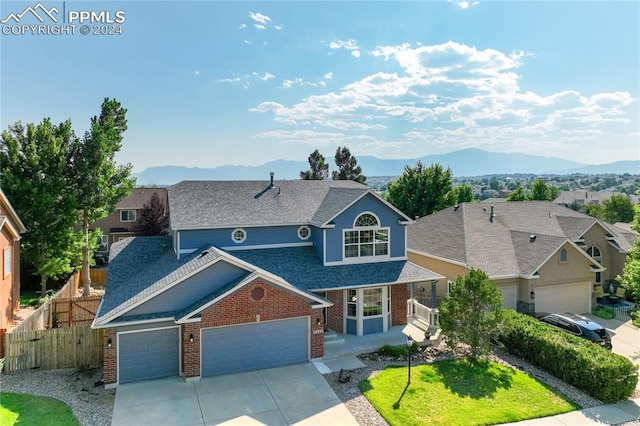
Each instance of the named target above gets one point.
<point>564,255</point>
<point>596,254</point>
<point>367,238</point>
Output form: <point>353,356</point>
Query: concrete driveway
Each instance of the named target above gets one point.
<point>625,338</point>
<point>292,395</point>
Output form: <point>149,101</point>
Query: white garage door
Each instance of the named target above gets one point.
<point>509,297</point>
<point>254,346</point>
<point>564,298</point>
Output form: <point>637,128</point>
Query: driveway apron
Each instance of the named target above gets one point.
<point>292,395</point>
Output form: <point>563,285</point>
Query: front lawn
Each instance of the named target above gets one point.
<point>27,410</point>
<point>461,392</point>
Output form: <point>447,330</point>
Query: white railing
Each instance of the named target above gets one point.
<point>418,310</point>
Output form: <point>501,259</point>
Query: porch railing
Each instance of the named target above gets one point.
<point>417,310</point>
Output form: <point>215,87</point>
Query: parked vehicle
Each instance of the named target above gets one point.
<point>578,325</point>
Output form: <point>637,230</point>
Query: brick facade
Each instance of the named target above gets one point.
<point>190,350</point>
<point>399,297</point>
<point>110,355</point>
<point>335,313</point>
<point>317,334</point>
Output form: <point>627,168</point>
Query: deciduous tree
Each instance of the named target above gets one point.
<point>33,165</point>
<point>471,312</point>
<point>348,168</point>
<point>152,219</point>
<point>464,193</point>
<point>422,190</point>
<point>517,195</point>
<point>99,183</point>
<point>540,190</point>
<point>319,169</point>
<point>630,277</point>
<point>618,208</point>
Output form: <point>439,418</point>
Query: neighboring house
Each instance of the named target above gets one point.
<point>584,198</point>
<point>251,275</point>
<point>543,257</point>
<point>117,225</point>
<point>10,229</point>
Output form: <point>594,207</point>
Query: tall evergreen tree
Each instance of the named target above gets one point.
<point>422,190</point>
<point>99,183</point>
<point>33,166</point>
<point>152,219</point>
<point>319,169</point>
<point>348,168</point>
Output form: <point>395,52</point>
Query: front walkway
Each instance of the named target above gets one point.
<point>292,395</point>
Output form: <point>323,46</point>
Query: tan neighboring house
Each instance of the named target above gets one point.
<point>117,225</point>
<point>543,257</point>
<point>10,229</point>
<point>584,198</point>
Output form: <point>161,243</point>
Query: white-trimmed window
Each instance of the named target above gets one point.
<point>6,256</point>
<point>127,215</point>
<point>564,255</point>
<point>596,254</point>
<point>367,238</point>
<point>352,303</point>
<point>238,235</point>
<point>372,301</point>
<point>304,232</point>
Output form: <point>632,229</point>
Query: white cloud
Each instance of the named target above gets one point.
<point>279,27</point>
<point>259,26</point>
<point>196,72</point>
<point>464,4</point>
<point>349,44</point>
<point>259,17</point>
<point>247,42</point>
<point>355,53</point>
<point>230,80</point>
<point>265,77</point>
<point>242,26</point>
<point>450,96</point>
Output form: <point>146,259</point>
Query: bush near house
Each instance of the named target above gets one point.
<point>598,372</point>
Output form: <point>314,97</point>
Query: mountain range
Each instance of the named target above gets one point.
<point>466,162</point>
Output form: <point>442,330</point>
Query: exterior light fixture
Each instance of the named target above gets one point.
<point>109,343</point>
<point>532,294</point>
<point>191,338</point>
<point>409,346</point>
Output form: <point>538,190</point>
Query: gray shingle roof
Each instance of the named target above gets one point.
<point>301,267</point>
<point>221,204</point>
<point>140,267</point>
<point>502,246</point>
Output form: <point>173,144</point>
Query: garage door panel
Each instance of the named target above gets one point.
<point>254,346</point>
<point>564,298</point>
<point>148,355</point>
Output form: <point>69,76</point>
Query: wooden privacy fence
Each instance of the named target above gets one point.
<point>69,312</point>
<point>67,347</point>
<point>98,276</point>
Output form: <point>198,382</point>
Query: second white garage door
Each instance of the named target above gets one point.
<point>254,346</point>
<point>564,298</point>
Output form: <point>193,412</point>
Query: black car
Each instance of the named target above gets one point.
<point>578,326</point>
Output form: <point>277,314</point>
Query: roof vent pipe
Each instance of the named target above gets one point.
<point>491,215</point>
<point>271,184</point>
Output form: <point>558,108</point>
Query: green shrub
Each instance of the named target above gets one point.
<point>395,351</point>
<point>605,312</point>
<point>598,372</point>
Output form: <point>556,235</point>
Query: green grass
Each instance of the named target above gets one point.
<point>27,410</point>
<point>461,392</point>
<point>605,312</point>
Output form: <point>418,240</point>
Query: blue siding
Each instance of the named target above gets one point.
<point>194,239</point>
<point>191,290</point>
<point>387,216</point>
<point>352,326</point>
<point>372,325</point>
<point>318,244</point>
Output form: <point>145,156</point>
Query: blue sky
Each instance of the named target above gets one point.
<point>209,83</point>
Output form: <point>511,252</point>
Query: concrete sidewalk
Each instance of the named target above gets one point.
<point>611,414</point>
<point>292,395</point>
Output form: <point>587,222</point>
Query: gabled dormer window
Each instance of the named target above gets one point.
<point>367,238</point>
<point>127,215</point>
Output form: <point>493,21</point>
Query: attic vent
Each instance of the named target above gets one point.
<point>203,254</point>
<point>456,207</point>
<point>532,238</point>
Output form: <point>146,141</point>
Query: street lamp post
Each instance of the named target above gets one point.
<point>409,346</point>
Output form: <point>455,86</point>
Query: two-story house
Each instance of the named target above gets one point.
<point>543,257</point>
<point>117,225</point>
<point>10,229</point>
<point>251,275</point>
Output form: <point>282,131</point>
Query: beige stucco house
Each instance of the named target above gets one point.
<point>543,257</point>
